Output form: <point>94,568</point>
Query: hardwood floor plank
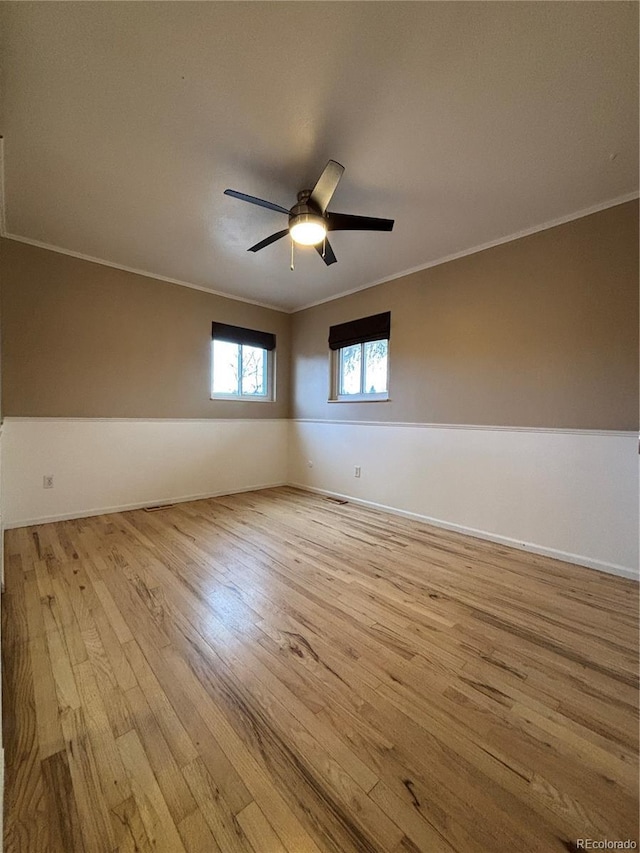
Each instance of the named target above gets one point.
<point>50,739</point>
<point>131,836</point>
<point>209,629</point>
<point>63,818</point>
<point>179,800</point>
<point>107,654</point>
<point>59,615</point>
<point>248,765</point>
<point>63,676</point>
<point>119,626</point>
<point>108,684</point>
<point>15,628</point>
<point>311,767</point>
<point>196,835</point>
<point>154,813</point>
<point>259,831</point>
<point>26,824</point>
<point>410,820</point>
<point>95,820</point>
<point>320,758</point>
<point>223,824</point>
<point>111,773</point>
<point>275,672</point>
<point>170,725</point>
<point>186,707</point>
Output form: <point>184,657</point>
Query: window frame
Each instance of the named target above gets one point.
<point>335,356</point>
<point>269,377</point>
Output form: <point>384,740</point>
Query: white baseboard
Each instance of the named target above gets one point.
<point>107,510</point>
<point>577,559</point>
<point>102,466</point>
<point>571,497</point>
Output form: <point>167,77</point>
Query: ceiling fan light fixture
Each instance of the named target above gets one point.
<point>307,229</point>
<point>309,219</point>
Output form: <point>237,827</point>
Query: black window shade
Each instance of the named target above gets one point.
<point>374,328</point>
<point>238,335</point>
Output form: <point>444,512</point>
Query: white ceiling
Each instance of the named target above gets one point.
<point>466,122</point>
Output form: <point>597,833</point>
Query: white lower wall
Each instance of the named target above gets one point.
<point>105,465</point>
<point>568,494</point>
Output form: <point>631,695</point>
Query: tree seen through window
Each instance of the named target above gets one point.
<point>363,368</point>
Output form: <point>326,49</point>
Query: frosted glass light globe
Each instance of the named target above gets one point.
<point>308,230</point>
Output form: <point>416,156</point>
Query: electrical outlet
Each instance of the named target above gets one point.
<point>47,481</point>
<point>356,471</point>
<point>310,463</point>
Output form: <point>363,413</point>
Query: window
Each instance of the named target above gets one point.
<point>360,362</point>
<point>241,363</point>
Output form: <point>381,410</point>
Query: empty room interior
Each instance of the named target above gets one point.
<point>319,377</point>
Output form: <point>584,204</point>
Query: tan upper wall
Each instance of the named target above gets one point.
<point>84,340</point>
<point>542,331</point>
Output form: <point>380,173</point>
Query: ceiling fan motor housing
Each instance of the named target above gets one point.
<point>304,210</point>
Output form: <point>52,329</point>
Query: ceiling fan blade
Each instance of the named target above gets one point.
<point>268,240</point>
<point>326,185</point>
<point>326,252</point>
<point>347,222</point>
<point>259,201</point>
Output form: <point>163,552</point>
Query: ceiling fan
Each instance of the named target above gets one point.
<point>309,219</point>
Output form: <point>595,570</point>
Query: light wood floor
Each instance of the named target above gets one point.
<point>275,671</point>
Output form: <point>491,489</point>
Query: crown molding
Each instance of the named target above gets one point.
<point>509,238</point>
<point>60,251</point>
<point>526,232</point>
<point>51,248</point>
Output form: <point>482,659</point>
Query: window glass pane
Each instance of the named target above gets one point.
<point>375,367</point>
<point>254,371</point>
<point>350,368</point>
<point>225,367</point>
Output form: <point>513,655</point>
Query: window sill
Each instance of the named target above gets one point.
<point>238,399</point>
<point>359,399</point>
